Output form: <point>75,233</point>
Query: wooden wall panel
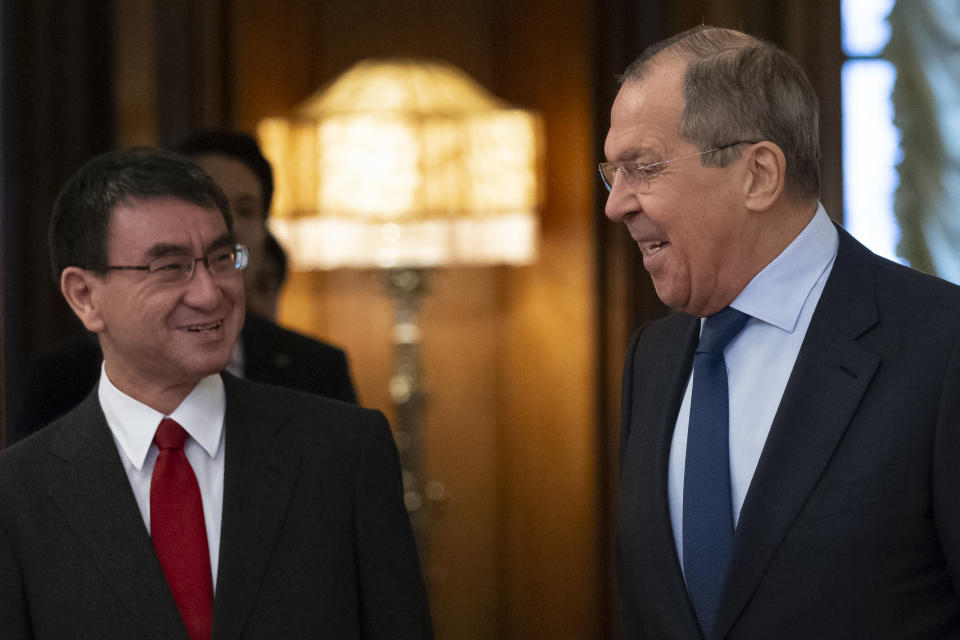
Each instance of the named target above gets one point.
<point>625,297</point>
<point>507,352</point>
<point>58,111</point>
<point>549,482</point>
<point>135,71</point>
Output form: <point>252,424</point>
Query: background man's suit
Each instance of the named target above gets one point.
<point>851,525</point>
<point>275,355</point>
<point>57,381</point>
<point>315,541</point>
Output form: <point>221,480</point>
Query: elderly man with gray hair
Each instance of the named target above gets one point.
<point>790,438</point>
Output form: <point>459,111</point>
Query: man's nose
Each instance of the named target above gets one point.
<point>203,292</point>
<point>620,201</point>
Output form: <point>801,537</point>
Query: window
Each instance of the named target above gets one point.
<point>870,141</point>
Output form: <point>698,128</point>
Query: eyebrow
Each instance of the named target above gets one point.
<point>221,241</point>
<point>162,249</point>
<point>635,153</point>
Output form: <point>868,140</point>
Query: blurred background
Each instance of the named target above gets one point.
<point>521,363</point>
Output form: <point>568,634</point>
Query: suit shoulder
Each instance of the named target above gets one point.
<point>61,432</point>
<point>299,410</point>
<point>264,330</point>
<point>896,285</point>
<point>925,308</point>
<point>905,281</point>
<point>21,462</point>
<point>670,329</point>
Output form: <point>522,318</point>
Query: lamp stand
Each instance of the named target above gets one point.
<point>407,287</point>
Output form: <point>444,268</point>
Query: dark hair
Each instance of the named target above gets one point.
<point>737,87</point>
<point>81,214</point>
<point>235,145</point>
<point>274,252</point>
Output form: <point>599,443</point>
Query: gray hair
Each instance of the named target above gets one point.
<point>737,87</point>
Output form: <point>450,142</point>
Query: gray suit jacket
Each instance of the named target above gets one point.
<point>315,541</point>
<point>851,525</point>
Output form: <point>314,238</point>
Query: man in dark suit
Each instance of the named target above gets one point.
<point>790,438</point>
<point>177,501</point>
<point>56,380</point>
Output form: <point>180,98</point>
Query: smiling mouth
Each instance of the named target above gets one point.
<point>198,328</point>
<point>650,248</point>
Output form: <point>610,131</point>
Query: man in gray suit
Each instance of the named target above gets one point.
<point>177,501</point>
<point>790,437</point>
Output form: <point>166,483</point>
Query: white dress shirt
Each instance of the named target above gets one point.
<point>133,425</point>
<point>780,301</point>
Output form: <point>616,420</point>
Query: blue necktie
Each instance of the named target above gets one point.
<point>707,509</point>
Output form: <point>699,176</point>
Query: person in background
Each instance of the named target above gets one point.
<point>177,501</point>
<point>790,436</point>
<point>263,294</point>
<point>236,163</point>
<point>266,351</point>
<point>57,379</point>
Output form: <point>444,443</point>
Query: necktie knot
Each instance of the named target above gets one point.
<point>719,329</point>
<point>170,435</point>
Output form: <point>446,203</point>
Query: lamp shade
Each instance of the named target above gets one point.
<point>405,163</point>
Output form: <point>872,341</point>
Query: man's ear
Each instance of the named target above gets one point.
<point>766,177</point>
<point>79,288</point>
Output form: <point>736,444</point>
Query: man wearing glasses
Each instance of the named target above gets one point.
<point>177,501</point>
<point>790,438</point>
<point>56,379</point>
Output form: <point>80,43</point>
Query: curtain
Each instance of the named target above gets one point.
<point>924,47</point>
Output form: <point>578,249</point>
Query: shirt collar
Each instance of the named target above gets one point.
<point>134,424</point>
<point>777,294</point>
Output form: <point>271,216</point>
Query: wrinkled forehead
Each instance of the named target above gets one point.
<point>138,225</point>
<point>646,112</point>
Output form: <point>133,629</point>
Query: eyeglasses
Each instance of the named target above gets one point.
<point>221,262</point>
<point>636,173</point>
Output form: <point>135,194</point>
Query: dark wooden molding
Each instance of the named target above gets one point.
<point>57,112</point>
<point>193,59</point>
<point>624,295</point>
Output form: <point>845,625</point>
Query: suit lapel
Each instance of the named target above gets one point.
<point>90,487</point>
<point>260,472</point>
<point>830,376</point>
<point>660,369</point>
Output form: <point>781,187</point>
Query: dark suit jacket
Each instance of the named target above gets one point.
<point>851,525</point>
<point>315,541</point>
<point>58,380</point>
<point>279,356</point>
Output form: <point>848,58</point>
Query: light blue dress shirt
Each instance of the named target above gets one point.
<point>780,301</point>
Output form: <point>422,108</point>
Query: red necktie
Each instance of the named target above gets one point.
<point>178,531</point>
